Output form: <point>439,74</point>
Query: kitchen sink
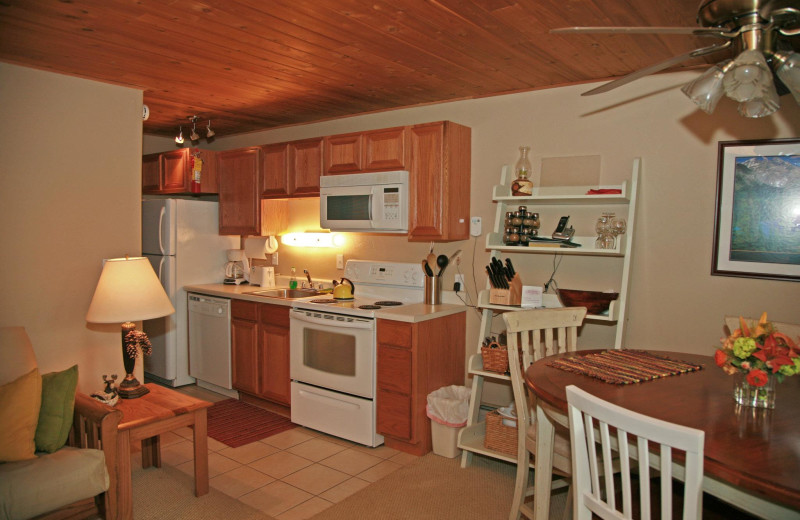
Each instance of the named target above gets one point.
<point>286,294</point>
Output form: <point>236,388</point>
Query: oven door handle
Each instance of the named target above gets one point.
<point>353,323</point>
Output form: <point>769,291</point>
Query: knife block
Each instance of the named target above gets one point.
<point>510,296</point>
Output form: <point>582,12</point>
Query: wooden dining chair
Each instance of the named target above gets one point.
<point>531,335</point>
<point>636,436</point>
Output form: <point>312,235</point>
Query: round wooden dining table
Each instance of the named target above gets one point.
<point>751,455</point>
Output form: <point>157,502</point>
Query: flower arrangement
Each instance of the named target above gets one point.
<point>135,341</point>
<point>759,353</point>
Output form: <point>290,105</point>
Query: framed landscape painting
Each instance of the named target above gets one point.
<point>757,227</point>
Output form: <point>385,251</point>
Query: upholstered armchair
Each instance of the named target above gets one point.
<point>57,446</point>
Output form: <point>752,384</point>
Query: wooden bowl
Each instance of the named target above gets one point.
<point>595,302</point>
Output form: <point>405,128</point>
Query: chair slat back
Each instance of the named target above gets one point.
<point>591,495</point>
<point>533,334</point>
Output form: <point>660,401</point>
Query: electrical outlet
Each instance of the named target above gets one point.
<point>460,279</point>
<point>339,261</point>
<point>275,258</point>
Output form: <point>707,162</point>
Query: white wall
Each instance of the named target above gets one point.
<point>69,196</point>
<point>675,304</point>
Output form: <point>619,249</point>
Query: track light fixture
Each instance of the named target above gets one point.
<point>194,136</point>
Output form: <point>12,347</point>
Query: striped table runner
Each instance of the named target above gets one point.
<point>623,367</point>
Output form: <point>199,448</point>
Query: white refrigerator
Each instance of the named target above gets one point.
<point>181,239</point>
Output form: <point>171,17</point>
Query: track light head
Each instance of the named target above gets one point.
<point>209,132</point>
<point>179,138</point>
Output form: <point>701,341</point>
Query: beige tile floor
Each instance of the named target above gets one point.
<point>292,475</point>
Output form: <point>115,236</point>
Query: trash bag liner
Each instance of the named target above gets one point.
<point>449,405</point>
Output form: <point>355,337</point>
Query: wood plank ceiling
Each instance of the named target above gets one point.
<point>257,64</point>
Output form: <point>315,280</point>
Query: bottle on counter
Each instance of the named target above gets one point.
<point>293,279</point>
<point>522,186</point>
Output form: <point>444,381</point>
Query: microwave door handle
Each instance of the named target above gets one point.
<point>372,200</point>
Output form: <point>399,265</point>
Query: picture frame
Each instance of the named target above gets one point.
<point>757,212</point>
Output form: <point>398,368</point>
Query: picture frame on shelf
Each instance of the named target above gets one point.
<point>757,213</point>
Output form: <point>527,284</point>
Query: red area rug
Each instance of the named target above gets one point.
<point>235,423</point>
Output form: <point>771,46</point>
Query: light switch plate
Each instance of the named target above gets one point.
<point>275,258</point>
<point>339,261</point>
<point>475,226</point>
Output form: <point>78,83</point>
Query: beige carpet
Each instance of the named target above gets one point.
<point>432,487</point>
<point>168,493</point>
<point>438,488</point>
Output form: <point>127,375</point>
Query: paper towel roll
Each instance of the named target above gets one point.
<point>260,247</point>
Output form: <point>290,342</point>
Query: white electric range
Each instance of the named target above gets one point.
<point>333,349</point>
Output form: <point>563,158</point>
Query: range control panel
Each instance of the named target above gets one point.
<point>384,273</point>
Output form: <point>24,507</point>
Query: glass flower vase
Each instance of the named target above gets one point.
<point>755,396</point>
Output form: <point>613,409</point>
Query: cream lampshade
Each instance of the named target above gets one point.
<point>129,291</point>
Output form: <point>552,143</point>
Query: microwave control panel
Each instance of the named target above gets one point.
<point>391,205</point>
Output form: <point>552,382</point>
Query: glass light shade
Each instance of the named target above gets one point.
<point>195,136</point>
<point>762,106</point>
<point>789,72</point>
<point>179,139</point>
<point>748,77</point>
<point>128,290</point>
<point>313,239</point>
<point>706,90</point>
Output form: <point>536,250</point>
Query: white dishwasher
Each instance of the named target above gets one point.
<point>210,343</point>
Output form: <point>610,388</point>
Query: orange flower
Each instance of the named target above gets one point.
<point>756,377</point>
<point>720,357</point>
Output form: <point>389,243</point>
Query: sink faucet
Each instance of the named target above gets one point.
<point>308,277</point>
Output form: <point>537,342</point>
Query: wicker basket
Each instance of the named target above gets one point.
<point>500,437</point>
<point>495,359</point>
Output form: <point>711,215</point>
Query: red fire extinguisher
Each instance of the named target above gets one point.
<point>197,169</point>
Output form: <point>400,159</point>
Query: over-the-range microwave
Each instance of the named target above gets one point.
<point>364,202</point>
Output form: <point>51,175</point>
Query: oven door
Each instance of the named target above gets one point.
<point>333,351</point>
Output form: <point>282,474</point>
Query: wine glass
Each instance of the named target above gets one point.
<point>603,229</point>
<point>618,226</point>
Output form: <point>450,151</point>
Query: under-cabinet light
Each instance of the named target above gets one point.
<point>313,239</point>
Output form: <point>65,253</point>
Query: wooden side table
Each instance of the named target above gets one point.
<point>145,419</point>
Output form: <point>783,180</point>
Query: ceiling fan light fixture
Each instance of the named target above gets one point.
<point>749,77</point>
<point>765,105</point>
<point>788,70</point>
<point>706,90</point>
<point>209,132</point>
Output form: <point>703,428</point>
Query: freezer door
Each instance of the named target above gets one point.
<point>163,332</point>
<point>159,227</point>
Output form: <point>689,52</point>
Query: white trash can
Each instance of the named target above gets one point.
<point>447,408</point>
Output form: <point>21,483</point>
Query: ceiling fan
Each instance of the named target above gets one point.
<point>757,30</point>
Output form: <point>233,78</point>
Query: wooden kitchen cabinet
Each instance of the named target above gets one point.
<point>414,359</point>
<point>376,150</point>
<point>260,350</point>
<point>273,347</point>
<point>439,183</point>
<point>171,172</point>
<point>291,169</point>
<point>244,345</point>
<point>239,201</point>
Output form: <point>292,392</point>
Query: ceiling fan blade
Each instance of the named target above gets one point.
<point>657,67</point>
<point>695,31</point>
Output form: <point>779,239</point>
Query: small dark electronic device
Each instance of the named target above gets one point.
<point>563,232</point>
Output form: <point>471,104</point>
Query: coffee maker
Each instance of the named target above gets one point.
<point>237,270</point>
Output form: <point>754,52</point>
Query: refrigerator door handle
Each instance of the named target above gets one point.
<point>161,270</point>
<point>160,231</point>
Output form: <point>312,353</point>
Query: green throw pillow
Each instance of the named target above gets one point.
<point>55,415</point>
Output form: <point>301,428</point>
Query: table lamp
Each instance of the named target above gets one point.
<point>128,291</point>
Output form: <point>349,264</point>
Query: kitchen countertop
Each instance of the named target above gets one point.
<point>412,313</point>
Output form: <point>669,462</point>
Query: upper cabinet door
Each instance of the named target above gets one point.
<point>175,171</point>
<point>305,167</point>
<point>239,201</point>
<point>439,182</point>
<point>386,150</point>
<point>150,170</point>
<point>275,170</point>
<point>343,153</point>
